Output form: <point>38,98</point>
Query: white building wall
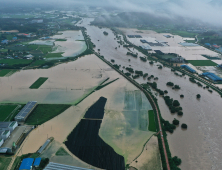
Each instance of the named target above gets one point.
<point>11,128</point>
<point>1,142</point>
<point>5,136</point>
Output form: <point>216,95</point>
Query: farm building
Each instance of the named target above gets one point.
<point>188,44</point>
<point>131,36</point>
<point>143,41</point>
<point>167,36</point>
<point>8,125</point>
<point>188,68</point>
<point>216,46</point>
<point>4,134</point>
<point>42,148</point>
<point>1,141</point>
<point>146,47</point>
<point>212,76</point>
<point>26,110</point>
<point>4,42</point>
<point>37,162</point>
<point>138,36</point>
<point>26,164</point>
<point>56,166</point>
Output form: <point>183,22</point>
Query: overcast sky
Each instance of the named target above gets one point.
<point>196,9</point>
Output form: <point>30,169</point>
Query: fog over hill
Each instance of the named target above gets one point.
<point>209,11</point>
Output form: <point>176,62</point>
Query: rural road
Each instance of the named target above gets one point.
<point>151,101</point>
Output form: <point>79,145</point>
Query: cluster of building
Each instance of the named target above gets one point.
<point>151,43</point>
<point>212,76</point>
<point>29,163</point>
<point>134,36</point>
<point>6,128</point>
<point>15,137</point>
<point>207,75</point>
<point>213,45</point>
<point>7,41</point>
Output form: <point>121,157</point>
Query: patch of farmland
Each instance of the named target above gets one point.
<point>6,111</point>
<point>152,124</point>
<point>120,130</point>
<point>149,159</point>
<point>6,72</point>
<point>145,103</point>
<point>202,62</point>
<point>96,111</point>
<point>44,112</point>
<point>138,99</point>
<point>102,155</point>
<point>38,83</point>
<point>129,100</point>
<point>143,120</point>
<point>84,142</point>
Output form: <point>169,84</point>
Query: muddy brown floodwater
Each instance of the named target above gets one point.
<point>199,146</point>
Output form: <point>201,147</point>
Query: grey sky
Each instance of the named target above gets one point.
<point>196,9</point>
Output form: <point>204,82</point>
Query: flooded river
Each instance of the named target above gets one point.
<point>200,145</point>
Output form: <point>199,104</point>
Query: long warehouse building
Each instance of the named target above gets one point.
<point>56,166</point>
<point>25,112</point>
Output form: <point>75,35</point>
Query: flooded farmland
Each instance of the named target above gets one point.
<point>72,45</point>
<point>199,146</point>
<point>123,135</point>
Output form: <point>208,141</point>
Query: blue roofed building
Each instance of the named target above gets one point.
<point>212,76</point>
<point>4,42</point>
<point>37,162</point>
<point>26,164</point>
<point>188,68</point>
<point>207,44</point>
<point>14,38</point>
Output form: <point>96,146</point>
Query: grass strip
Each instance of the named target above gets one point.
<point>61,152</point>
<point>152,124</point>
<point>38,83</point>
<point>12,62</point>
<point>4,163</point>
<point>6,71</point>
<point>202,62</point>
<point>6,110</point>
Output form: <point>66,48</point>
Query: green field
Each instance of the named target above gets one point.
<point>61,152</point>
<point>44,112</point>
<point>38,63</point>
<point>152,124</point>
<point>166,56</point>
<point>38,83</point>
<point>12,62</point>
<point>143,120</point>
<point>45,48</point>
<point>6,71</point>
<point>4,163</point>
<point>5,111</point>
<point>202,62</point>
<point>61,39</point>
<point>54,55</point>
<point>3,50</point>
